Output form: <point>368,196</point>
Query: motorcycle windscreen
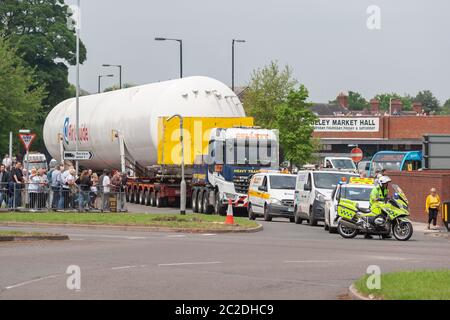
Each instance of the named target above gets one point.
<point>400,192</point>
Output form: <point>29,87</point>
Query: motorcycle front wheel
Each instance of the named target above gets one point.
<point>347,232</point>
<point>402,231</point>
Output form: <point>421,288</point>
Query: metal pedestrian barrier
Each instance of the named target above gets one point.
<point>40,197</point>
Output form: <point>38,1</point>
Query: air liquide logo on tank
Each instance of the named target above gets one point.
<point>69,132</point>
<point>371,124</point>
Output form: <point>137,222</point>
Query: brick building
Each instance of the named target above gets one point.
<point>373,131</point>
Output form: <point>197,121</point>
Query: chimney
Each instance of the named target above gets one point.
<point>396,106</point>
<point>342,99</point>
<point>374,106</point>
<point>417,107</point>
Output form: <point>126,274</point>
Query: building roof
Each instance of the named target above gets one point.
<point>327,109</point>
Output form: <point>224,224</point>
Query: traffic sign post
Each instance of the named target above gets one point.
<point>357,154</point>
<point>78,155</point>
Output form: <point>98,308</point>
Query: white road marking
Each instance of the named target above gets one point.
<point>186,263</point>
<point>176,236</point>
<point>124,267</point>
<point>311,261</point>
<point>28,282</point>
<point>208,234</point>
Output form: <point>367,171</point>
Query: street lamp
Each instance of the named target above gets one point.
<point>120,72</point>
<point>232,61</point>
<point>183,181</point>
<point>100,79</point>
<point>181,51</point>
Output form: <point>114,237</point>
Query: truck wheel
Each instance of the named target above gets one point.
<point>152,199</point>
<point>194,201</point>
<point>267,216</point>
<point>200,201</point>
<point>219,208</point>
<point>207,208</point>
<point>127,195</point>
<point>312,220</point>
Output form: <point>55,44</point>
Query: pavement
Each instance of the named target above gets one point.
<point>284,261</point>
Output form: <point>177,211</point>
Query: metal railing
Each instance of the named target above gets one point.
<point>42,197</point>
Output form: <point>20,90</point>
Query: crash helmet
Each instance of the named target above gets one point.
<point>384,180</point>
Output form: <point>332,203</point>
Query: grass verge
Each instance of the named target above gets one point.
<point>189,221</point>
<point>410,285</point>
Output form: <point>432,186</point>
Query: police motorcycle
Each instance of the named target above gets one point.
<point>383,217</point>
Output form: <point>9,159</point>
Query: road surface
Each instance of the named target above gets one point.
<point>284,261</point>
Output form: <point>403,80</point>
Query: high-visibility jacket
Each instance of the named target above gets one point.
<point>378,193</point>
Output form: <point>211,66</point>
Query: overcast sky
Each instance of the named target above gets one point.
<point>326,42</point>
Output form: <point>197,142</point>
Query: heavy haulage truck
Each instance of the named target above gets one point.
<point>130,130</point>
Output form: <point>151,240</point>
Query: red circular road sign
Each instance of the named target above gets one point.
<point>357,154</point>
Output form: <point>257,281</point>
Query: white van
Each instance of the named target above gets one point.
<point>271,195</point>
<point>339,163</point>
<point>312,191</point>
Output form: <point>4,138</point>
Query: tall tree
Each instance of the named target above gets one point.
<point>268,88</point>
<point>356,101</point>
<point>20,95</point>
<point>295,122</point>
<point>39,30</point>
<point>446,107</point>
<point>429,102</point>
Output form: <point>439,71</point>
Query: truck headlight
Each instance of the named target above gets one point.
<point>274,201</point>
<point>320,197</point>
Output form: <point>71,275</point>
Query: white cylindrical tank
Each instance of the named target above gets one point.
<point>134,112</point>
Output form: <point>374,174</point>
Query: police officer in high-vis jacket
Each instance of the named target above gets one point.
<point>379,193</point>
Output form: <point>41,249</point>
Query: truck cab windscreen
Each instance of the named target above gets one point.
<point>247,152</point>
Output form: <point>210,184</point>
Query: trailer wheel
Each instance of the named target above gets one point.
<point>207,207</point>
<point>133,195</point>
<point>127,194</point>
<point>200,201</point>
<point>152,199</point>
<point>142,197</point>
<point>147,197</point>
<point>194,200</point>
<point>160,202</point>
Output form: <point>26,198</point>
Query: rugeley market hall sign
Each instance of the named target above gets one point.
<point>370,124</point>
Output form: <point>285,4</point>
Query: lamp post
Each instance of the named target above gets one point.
<point>183,181</point>
<point>180,41</point>
<point>232,61</point>
<point>100,79</point>
<point>77,112</point>
<point>120,72</point>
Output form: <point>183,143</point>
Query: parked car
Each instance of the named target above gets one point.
<point>270,195</point>
<point>358,189</point>
<point>313,189</point>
